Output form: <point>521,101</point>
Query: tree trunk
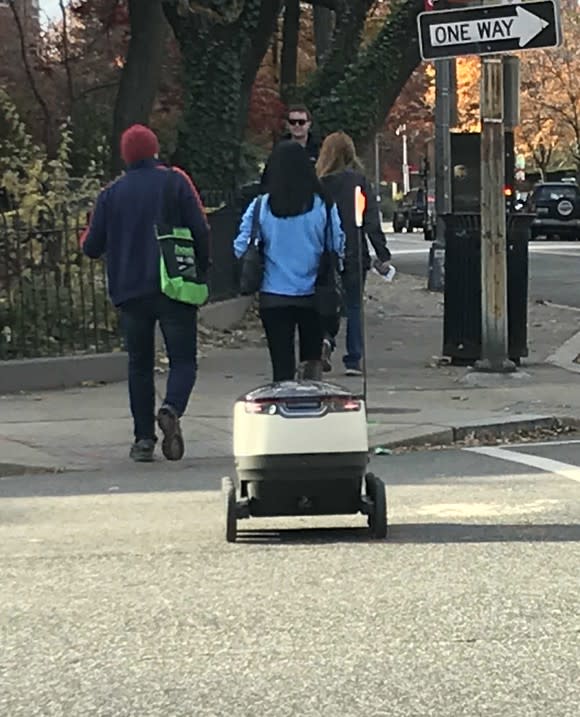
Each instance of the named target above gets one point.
<point>220,62</point>
<point>289,63</point>
<point>140,77</point>
<point>346,40</point>
<point>361,99</point>
<point>323,27</point>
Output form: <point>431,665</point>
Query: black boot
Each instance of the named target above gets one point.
<point>142,450</point>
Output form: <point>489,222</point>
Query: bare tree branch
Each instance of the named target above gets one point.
<point>30,76</point>
<point>66,58</point>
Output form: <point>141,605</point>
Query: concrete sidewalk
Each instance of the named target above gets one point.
<point>412,398</point>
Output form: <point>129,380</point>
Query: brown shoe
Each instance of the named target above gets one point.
<point>312,371</point>
<point>172,445</point>
<point>326,355</point>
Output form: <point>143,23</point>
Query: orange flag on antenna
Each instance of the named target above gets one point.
<point>360,202</point>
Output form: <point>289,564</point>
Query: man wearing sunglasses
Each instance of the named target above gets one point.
<point>299,123</point>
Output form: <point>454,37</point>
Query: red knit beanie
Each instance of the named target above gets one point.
<point>137,143</point>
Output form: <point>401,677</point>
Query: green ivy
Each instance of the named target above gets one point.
<point>360,102</point>
<point>214,58</point>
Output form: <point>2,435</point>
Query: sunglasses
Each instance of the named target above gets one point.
<point>299,122</point>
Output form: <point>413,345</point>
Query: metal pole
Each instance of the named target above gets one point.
<point>406,182</point>
<point>378,174</point>
<point>443,109</point>
<point>494,325</point>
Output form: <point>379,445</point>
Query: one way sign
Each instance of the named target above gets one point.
<point>489,30</point>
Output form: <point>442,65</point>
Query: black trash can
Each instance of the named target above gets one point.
<point>462,297</point>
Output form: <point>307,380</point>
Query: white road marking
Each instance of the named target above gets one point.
<point>565,356</point>
<point>549,443</point>
<point>566,470</point>
<point>397,252</point>
<point>550,248</point>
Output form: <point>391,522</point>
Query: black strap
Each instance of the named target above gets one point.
<point>327,228</point>
<point>170,211</point>
<point>255,235</point>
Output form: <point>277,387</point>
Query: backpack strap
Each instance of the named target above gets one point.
<point>328,228</point>
<point>170,210</point>
<point>255,234</point>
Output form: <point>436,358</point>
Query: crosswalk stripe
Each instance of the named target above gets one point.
<point>566,470</point>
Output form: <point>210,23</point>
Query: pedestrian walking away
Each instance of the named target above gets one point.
<point>340,172</point>
<point>296,224</point>
<point>151,279</point>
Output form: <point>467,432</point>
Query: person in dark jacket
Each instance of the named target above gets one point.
<point>299,129</point>
<point>122,229</point>
<point>340,172</point>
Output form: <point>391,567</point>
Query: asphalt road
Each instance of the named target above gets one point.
<point>554,266</point>
<point>120,596</point>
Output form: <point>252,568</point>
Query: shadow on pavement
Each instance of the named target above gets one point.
<point>483,533</point>
<point>305,536</point>
<point>416,533</point>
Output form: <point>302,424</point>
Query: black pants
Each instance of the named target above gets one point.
<point>178,324</point>
<point>280,326</point>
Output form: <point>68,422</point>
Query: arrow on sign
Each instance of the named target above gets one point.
<point>523,27</point>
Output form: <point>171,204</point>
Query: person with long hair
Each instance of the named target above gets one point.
<point>295,219</point>
<point>340,171</point>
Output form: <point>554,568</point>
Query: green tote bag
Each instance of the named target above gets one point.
<point>180,275</point>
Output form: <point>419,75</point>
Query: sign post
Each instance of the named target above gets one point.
<point>494,319</point>
<point>490,31</point>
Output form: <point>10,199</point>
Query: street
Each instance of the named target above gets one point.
<point>121,597</point>
<point>553,266</point>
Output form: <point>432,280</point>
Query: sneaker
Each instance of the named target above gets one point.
<point>353,371</point>
<point>326,354</point>
<point>142,450</point>
<point>172,445</point>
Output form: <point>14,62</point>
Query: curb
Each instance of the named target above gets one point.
<point>45,374</point>
<point>483,431</point>
<point>10,470</point>
<point>60,372</point>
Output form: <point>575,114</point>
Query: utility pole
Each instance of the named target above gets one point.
<point>443,115</point>
<point>378,173</point>
<point>402,132</point>
<point>494,319</point>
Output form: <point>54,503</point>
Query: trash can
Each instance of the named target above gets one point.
<point>462,295</point>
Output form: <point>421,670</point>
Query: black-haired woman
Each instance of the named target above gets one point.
<point>296,222</point>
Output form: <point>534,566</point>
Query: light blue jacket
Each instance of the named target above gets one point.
<point>292,246</point>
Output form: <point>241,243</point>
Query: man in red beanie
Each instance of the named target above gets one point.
<point>122,229</point>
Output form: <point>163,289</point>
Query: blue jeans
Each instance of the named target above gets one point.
<point>352,310</point>
<point>354,337</point>
<point>178,324</point>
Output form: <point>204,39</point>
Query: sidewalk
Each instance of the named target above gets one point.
<point>411,397</point>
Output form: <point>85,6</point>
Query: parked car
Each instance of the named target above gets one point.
<point>412,211</point>
<point>556,206</point>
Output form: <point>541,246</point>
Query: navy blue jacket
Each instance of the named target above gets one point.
<point>122,228</point>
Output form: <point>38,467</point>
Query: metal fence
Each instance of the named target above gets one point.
<point>53,300</point>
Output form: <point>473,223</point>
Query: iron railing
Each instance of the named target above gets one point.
<point>53,299</point>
